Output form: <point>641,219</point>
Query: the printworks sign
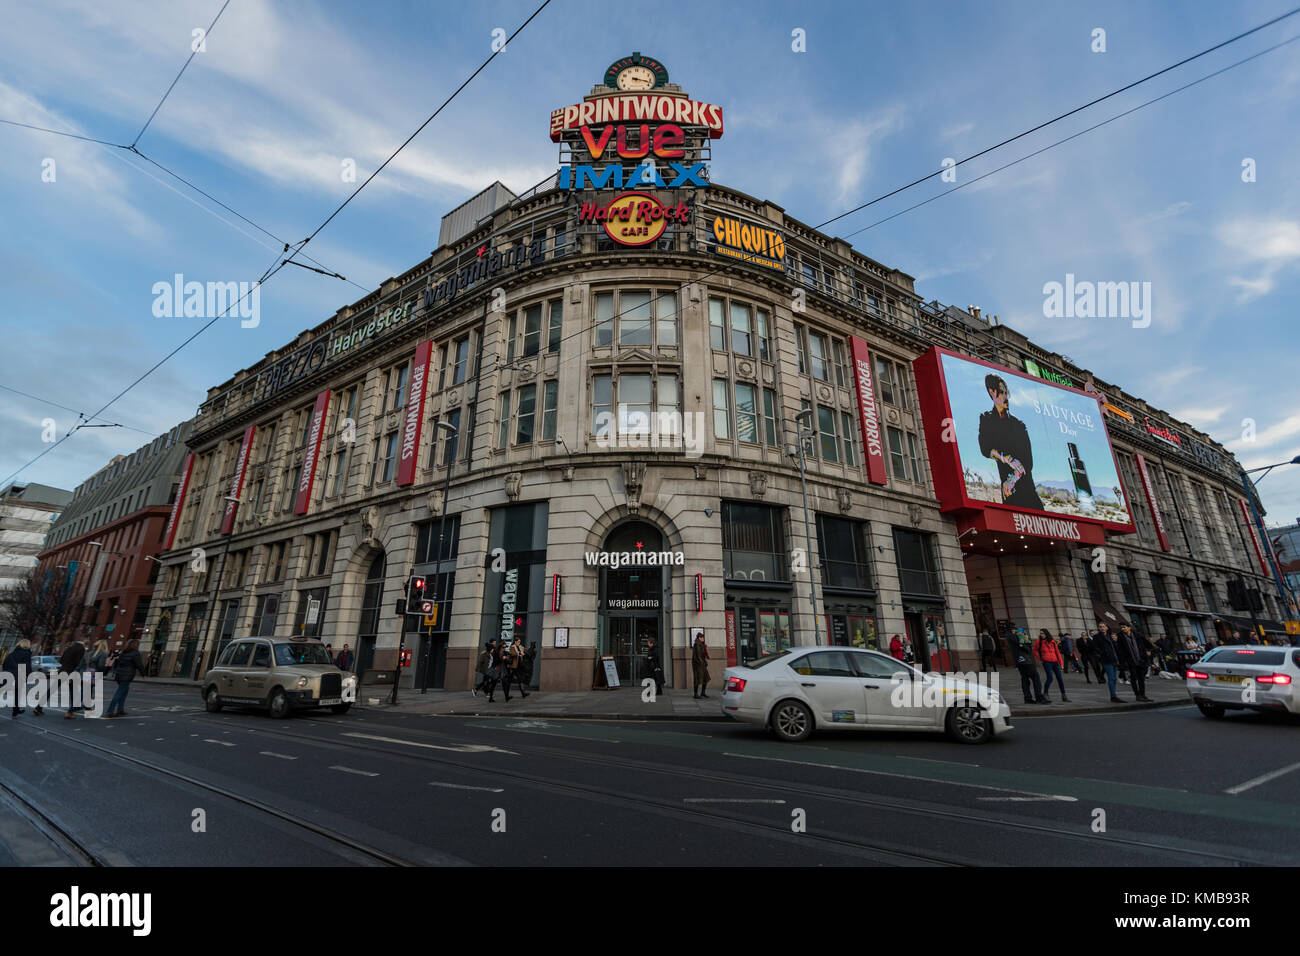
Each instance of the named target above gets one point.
<point>633,219</point>
<point>748,242</point>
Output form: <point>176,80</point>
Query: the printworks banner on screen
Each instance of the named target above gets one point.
<point>1027,443</point>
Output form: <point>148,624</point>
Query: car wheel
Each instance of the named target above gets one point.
<point>278,705</point>
<point>340,708</point>
<point>212,700</point>
<point>1211,710</point>
<point>966,725</point>
<point>791,721</point>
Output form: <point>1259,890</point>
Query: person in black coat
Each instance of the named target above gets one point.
<point>1023,655</point>
<point>655,663</point>
<point>988,650</point>
<point>1133,655</point>
<point>128,664</point>
<point>1107,655</point>
<point>19,663</point>
<point>70,663</point>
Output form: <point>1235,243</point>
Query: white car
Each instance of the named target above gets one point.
<point>1252,677</point>
<point>803,689</point>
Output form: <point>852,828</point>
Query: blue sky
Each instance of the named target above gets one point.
<point>285,92</point>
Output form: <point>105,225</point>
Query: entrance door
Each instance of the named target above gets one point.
<point>433,661</point>
<point>646,628</point>
<point>916,631</point>
<point>629,639</point>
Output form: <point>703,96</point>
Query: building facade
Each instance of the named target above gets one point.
<point>27,513</point>
<point>589,418</point>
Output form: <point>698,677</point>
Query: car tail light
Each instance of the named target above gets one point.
<point>1197,675</point>
<point>1274,679</point>
<point>735,685</point>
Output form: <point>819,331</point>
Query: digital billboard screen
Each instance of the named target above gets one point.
<point>1012,440</point>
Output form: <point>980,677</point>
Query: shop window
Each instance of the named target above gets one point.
<point>753,542</point>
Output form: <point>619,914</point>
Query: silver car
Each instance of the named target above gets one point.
<point>1252,677</point>
<point>278,674</point>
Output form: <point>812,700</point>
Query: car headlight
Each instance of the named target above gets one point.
<point>303,681</point>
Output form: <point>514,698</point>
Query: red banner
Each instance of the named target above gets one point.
<point>237,483</point>
<point>1156,517</point>
<point>732,659</point>
<point>313,452</point>
<point>178,504</point>
<point>868,414</point>
<point>410,452</point>
<point>1259,554</point>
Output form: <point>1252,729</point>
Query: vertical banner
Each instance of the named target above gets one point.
<point>237,483</point>
<point>1156,517</point>
<point>868,416</point>
<point>732,660</point>
<point>179,503</point>
<point>1254,539</point>
<point>414,416</point>
<point>312,453</point>
<point>92,589</point>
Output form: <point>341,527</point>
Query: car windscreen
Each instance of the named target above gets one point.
<point>289,655</point>
<point>1244,655</point>
<point>758,662</point>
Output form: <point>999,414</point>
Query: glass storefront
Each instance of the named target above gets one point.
<point>633,602</point>
<point>761,626</point>
<point>850,625</point>
<point>515,596</point>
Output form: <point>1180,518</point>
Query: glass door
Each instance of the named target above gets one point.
<point>620,646</point>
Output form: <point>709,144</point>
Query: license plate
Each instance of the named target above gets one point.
<point>1224,678</point>
<point>325,701</point>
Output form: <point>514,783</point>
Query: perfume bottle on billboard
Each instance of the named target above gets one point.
<point>1081,484</point>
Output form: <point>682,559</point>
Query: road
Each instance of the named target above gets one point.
<point>172,784</point>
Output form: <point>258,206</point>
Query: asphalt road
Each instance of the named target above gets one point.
<point>377,787</point>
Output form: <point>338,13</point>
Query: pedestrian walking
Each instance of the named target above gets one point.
<point>98,663</point>
<point>19,663</point>
<point>344,661</point>
<point>1069,653</point>
<point>1023,655</point>
<point>516,672</point>
<point>987,651</point>
<point>494,672</point>
<point>71,664</point>
<point>655,662</point>
<point>1049,652</point>
<point>481,669</point>
<point>1133,655</point>
<point>128,664</point>
<point>700,667</point>
<point>1103,644</point>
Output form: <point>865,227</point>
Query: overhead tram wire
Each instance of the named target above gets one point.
<point>1066,139</point>
<point>280,262</point>
<point>68,408</point>
<point>1057,119</point>
<point>193,53</point>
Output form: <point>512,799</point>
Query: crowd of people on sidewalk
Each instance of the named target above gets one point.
<point>81,661</point>
<point>502,664</point>
<point>1113,656</point>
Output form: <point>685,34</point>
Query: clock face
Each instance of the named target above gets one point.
<point>636,78</point>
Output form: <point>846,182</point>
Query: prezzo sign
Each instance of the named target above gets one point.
<point>868,416</point>
<point>237,483</point>
<point>633,219</point>
<point>749,243</point>
<point>312,454</point>
<point>179,503</point>
<point>414,416</point>
<point>1156,516</point>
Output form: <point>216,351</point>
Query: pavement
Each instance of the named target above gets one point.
<point>626,703</point>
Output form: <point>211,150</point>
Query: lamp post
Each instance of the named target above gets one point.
<point>442,527</point>
<point>1252,493</point>
<point>805,430</point>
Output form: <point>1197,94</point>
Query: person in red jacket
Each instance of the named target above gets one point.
<point>1049,652</point>
<point>896,647</point>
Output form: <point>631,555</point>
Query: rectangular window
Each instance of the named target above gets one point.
<point>666,317</point>
<point>532,330</point>
<point>828,434</point>
<point>1128,583</point>
<point>304,425</point>
<point>769,416</point>
<point>450,440</point>
<point>850,458</point>
<point>885,380</point>
<point>605,318</point>
<point>753,542</point>
<point>634,322</point>
<point>670,419</point>
<point>557,325</point>
<point>503,433</point>
<point>602,405</point>
<point>512,336</point>
<point>841,368</point>
<point>527,409</point>
<point>395,393</point>
<point>896,453</point>
<point>913,553</point>
<point>550,398</point>
<point>717,325</point>
<point>390,455</point>
<point>339,470</point>
<point>268,441</point>
<point>746,413</point>
<point>741,331</point>
<point>845,548</point>
<point>721,411</point>
<point>292,477</point>
<point>764,333</point>
<point>801,347</point>
<point>914,458</point>
<point>634,405</point>
<point>461,365</point>
<point>1158,588</point>
<point>817,347</point>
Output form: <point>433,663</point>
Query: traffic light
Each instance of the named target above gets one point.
<point>406,657</point>
<point>418,599</point>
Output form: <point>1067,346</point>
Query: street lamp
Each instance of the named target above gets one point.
<point>1252,494</point>
<point>805,429</point>
<point>452,433</point>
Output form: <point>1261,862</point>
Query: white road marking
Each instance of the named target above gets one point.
<point>268,753</point>
<point>457,748</point>
<point>224,743</point>
<point>725,800</point>
<point>1055,796</point>
<point>1256,781</point>
<point>903,776</point>
<point>461,786</point>
<point>359,773</point>
<point>40,751</point>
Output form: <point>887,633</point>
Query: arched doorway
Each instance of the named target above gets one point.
<point>635,594</point>
<point>372,602</point>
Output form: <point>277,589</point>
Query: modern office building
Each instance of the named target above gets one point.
<point>27,512</point>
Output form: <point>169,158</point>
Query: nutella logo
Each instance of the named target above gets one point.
<point>1046,527</point>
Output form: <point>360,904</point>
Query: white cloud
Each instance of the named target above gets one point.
<point>1266,247</point>
<point>1288,428</point>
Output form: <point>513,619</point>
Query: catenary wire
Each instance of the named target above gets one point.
<point>68,408</point>
<point>193,53</point>
<point>1057,119</point>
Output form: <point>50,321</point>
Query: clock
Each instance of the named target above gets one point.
<point>636,72</point>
